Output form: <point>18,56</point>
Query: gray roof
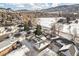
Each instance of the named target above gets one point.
<point>7,43</point>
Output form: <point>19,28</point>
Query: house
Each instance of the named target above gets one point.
<point>5,32</point>
<point>19,52</point>
<point>7,46</point>
<point>62,20</point>
<point>47,52</point>
<point>8,42</point>
<point>69,50</point>
<point>41,43</point>
<point>64,47</point>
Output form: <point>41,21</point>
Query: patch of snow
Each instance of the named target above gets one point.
<point>46,21</point>
<point>19,52</point>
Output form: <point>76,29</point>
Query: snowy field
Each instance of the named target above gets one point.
<point>46,22</point>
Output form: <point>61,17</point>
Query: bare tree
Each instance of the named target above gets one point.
<point>74,34</point>
<point>53,29</point>
<point>69,29</point>
<point>60,27</point>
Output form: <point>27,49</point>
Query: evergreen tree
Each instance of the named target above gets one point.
<point>26,27</point>
<point>68,19</point>
<point>38,30</point>
<point>76,21</point>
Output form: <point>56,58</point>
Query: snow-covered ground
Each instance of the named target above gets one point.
<point>69,29</point>
<point>46,21</point>
<point>73,28</point>
<point>19,52</point>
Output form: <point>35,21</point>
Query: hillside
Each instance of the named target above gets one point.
<point>63,8</point>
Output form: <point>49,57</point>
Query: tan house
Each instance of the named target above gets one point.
<point>6,46</point>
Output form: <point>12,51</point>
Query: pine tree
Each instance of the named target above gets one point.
<point>38,30</point>
<point>26,27</point>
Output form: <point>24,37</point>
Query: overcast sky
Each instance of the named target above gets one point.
<point>34,4</point>
<point>28,6</point>
<point>38,1</point>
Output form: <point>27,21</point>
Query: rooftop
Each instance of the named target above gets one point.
<point>65,47</point>
<point>7,43</point>
<point>19,52</point>
<point>47,52</point>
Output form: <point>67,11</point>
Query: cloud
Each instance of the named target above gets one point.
<point>34,6</point>
<point>29,6</point>
<point>54,5</point>
<point>40,5</point>
<point>26,1</point>
<point>2,5</point>
<point>20,5</point>
<point>40,1</point>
